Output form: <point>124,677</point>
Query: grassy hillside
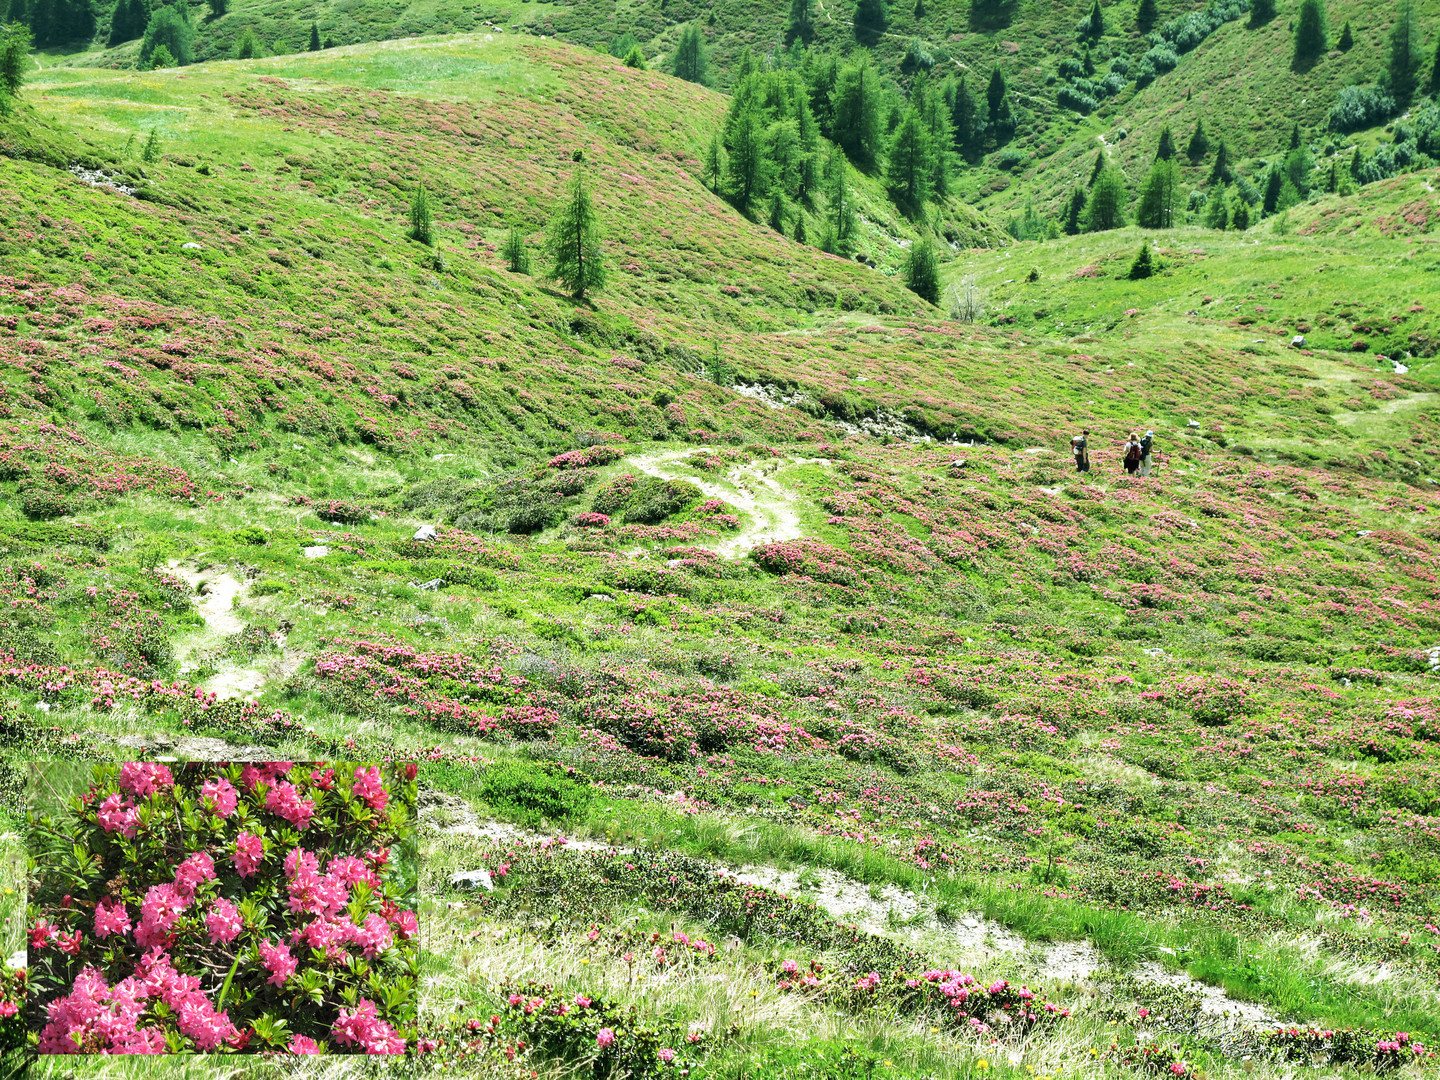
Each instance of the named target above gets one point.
<point>770,656</point>
<point>1238,80</point>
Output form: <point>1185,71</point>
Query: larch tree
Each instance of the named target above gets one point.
<point>872,19</point>
<point>1166,150</point>
<point>1199,144</point>
<point>1105,209</point>
<point>573,242</point>
<point>909,168</point>
<point>856,108</point>
<point>1312,36</point>
<point>800,26</point>
<point>690,62</point>
<point>1404,60</point>
<point>922,270</point>
<point>1001,118</point>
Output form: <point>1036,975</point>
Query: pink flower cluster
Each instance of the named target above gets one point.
<point>97,1018</point>
<point>362,1026</point>
<point>223,921</point>
<point>326,896</point>
<point>369,787</point>
<point>284,799</point>
<point>143,778</point>
<point>249,851</point>
<point>117,814</point>
<point>221,796</point>
<point>278,962</point>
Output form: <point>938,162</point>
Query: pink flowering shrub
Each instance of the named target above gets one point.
<point>225,907</point>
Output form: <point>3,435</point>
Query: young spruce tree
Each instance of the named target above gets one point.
<point>922,270</point>
<point>420,225</point>
<point>1404,62</point>
<point>691,63</point>
<point>517,259</point>
<point>1199,144</point>
<point>1312,37</point>
<point>573,243</point>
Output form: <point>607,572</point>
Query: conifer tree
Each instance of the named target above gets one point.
<point>517,259</point>
<point>1332,180</point>
<point>800,237</point>
<point>1000,118</point>
<point>1434,88</point>
<point>840,227</point>
<point>1101,161</point>
<point>1166,150</point>
<point>856,108</point>
<point>1105,209</point>
<point>965,117</point>
<point>14,62</point>
<point>1217,209</point>
<point>1261,12</point>
<point>1357,165</point>
<point>1075,212</point>
<point>420,224</point>
<point>169,25</point>
<point>1295,136</point>
<point>1239,214</point>
<point>161,58</point>
<point>246,48</point>
<point>635,59</point>
<point>621,44</point>
<point>801,24</point>
<point>1156,209</point>
<point>1347,39</point>
<point>1199,144</point>
<point>931,108</point>
<point>872,19</point>
<point>909,169</point>
<point>314,37</point>
<point>1146,15</point>
<point>691,62</point>
<point>127,21</point>
<point>1220,172</point>
<point>1093,25</point>
<point>749,165</point>
<point>1404,60</point>
<point>777,211</point>
<point>714,163</point>
<point>150,153</point>
<point>1144,264</point>
<point>808,133</point>
<point>573,243</point>
<point>1312,37</point>
<point>922,270</point>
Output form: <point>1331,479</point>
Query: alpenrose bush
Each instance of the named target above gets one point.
<point>225,908</point>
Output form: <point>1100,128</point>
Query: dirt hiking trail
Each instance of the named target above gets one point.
<point>750,488</point>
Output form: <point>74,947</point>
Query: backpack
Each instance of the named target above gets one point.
<point>1132,453</point>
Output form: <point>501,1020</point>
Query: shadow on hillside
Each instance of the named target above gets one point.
<point>987,15</point>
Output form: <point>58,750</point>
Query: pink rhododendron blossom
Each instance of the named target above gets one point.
<point>300,863</point>
<point>667,1055</point>
<point>278,962</point>
<point>249,851</point>
<point>197,869</point>
<point>284,799</point>
<point>369,788</point>
<point>223,921</point>
<point>117,815</point>
<point>363,1025</point>
<point>141,778</point>
<point>406,925</point>
<point>303,1044</point>
<point>604,1037</point>
<point>111,918</point>
<point>220,795</point>
<point>163,905</point>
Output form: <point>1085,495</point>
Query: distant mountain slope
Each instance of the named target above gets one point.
<point>305,310</point>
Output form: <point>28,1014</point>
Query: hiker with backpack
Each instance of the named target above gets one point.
<point>1132,455</point>
<point>1147,447</point>
<point>1081,451</point>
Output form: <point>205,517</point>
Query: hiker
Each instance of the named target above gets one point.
<point>1081,451</point>
<point>1147,447</point>
<point>1132,455</point>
